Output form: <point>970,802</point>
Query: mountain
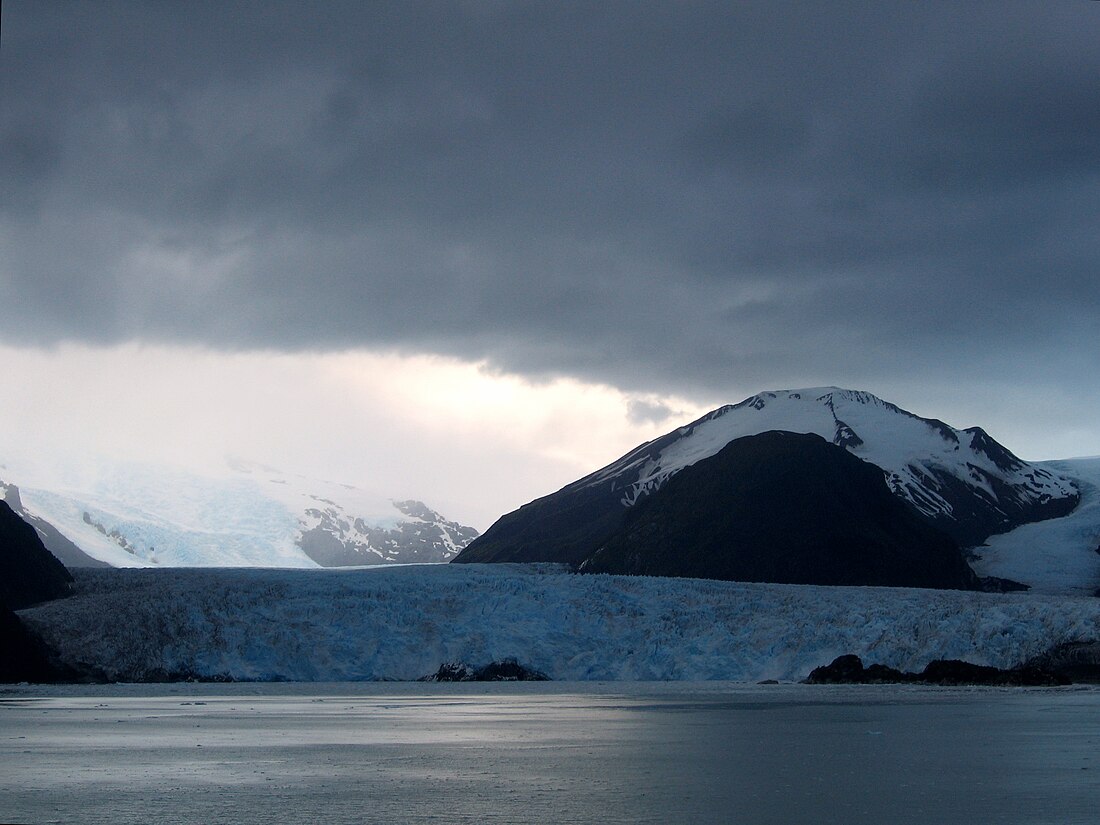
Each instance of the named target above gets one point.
<point>29,576</point>
<point>961,482</point>
<point>136,515</point>
<point>28,572</point>
<point>60,547</point>
<point>337,538</point>
<point>782,507</point>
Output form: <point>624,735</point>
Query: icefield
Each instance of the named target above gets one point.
<point>402,622</point>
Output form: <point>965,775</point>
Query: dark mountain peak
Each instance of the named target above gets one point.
<point>782,507</point>
<point>10,494</point>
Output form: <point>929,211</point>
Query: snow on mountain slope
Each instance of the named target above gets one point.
<point>1059,555</point>
<point>131,515</point>
<point>134,516</point>
<point>343,525</point>
<point>68,553</point>
<point>926,462</point>
<point>403,622</point>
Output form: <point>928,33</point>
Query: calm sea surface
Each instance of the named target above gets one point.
<point>549,753</point>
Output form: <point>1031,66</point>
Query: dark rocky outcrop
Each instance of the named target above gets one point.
<point>29,573</point>
<point>504,670</point>
<point>955,672</point>
<point>995,584</point>
<point>59,545</point>
<point>782,507</point>
<point>1076,661</point>
<point>26,658</point>
<point>849,670</point>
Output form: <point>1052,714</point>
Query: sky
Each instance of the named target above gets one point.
<point>470,251</point>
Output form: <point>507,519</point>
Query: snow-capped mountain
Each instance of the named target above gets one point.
<point>788,508</point>
<point>961,481</point>
<point>131,515</point>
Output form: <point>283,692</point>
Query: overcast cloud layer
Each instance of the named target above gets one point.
<point>673,198</point>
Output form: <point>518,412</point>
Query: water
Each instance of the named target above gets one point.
<point>548,753</point>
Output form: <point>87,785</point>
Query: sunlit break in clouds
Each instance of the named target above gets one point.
<point>472,442</point>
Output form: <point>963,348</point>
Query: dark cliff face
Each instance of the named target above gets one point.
<point>569,525</point>
<point>28,572</point>
<point>26,658</point>
<point>783,507</point>
<point>65,550</point>
<point>565,527</point>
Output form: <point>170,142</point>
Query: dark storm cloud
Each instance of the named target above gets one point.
<point>664,196</point>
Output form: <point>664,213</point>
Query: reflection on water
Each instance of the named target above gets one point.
<point>577,753</point>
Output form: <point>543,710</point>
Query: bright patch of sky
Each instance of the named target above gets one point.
<point>471,443</point>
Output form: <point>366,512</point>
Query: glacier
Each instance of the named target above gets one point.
<point>132,514</point>
<point>1060,555</point>
<point>909,449</point>
<point>402,622</point>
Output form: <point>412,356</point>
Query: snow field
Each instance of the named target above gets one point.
<point>1057,555</point>
<point>403,622</point>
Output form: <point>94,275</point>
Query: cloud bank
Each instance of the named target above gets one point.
<point>674,197</point>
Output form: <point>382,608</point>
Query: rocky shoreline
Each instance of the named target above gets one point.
<point>1072,663</point>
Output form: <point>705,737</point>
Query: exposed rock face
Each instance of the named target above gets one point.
<point>1076,661</point>
<point>505,670</point>
<point>337,539</point>
<point>24,657</point>
<point>782,507</point>
<point>849,670</point>
<point>28,572</point>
